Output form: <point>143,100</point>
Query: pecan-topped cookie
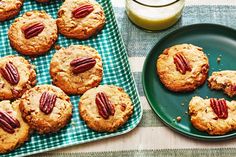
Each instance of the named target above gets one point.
<point>16,76</point>
<point>13,130</point>
<point>76,69</point>
<point>80,19</point>
<point>33,34</point>
<point>9,8</point>
<point>223,80</point>
<point>105,108</point>
<point>46,108</point>
<point>182,67</point>
<point>214,116</point>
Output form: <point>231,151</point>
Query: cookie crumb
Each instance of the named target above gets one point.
<point>178,119</point>
<point>57,47</point>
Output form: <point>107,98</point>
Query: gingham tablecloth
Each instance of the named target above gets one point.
<point>151,137</point>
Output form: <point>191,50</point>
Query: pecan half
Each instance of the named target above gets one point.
<point>8,123</point>
<point>33,29</point>
<point>10,73</point>
<point>219,107</point>
<point>181,63</point>
<point>233,88</point>
<point>105,108</point>
<point>80,65</point>
<point>82,11</point>
<point>47,102</point>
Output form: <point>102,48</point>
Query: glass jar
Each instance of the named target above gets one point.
<point>154,15</point>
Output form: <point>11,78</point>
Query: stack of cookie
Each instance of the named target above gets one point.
<point>183,68</point>
<point>75,70</point>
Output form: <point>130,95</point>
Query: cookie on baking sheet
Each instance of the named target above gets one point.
<point>9,8</point>
<point>214,116</point>
<point>16,76</point>
<point>76,69</point>
<point>80,19</point>
<point>223,80</point>
<point>46,108</point>
<point>105,108</point>
<point>182,68</point>
<point>33,34</point>
<point>13,130</point>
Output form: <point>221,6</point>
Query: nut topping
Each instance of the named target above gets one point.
<point>219,107</point>
<point>10,73</point>
<point>181,63</point>
<point>47,102</point>
<point>233,88</point>
<point>8,123</point>
<point>81,65</point>
<point>105,108</point>
<point>82,11</point>
<point>33,29</point>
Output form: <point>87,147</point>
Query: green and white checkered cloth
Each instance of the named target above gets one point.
<point>116,71</point>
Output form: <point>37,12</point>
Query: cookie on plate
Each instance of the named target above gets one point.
<point>80,19</point>
<point>183,67</point>
<point>9,9</point>
<point>46,108</point>
<point>16,76</point>
<point>105,108</point>
<point>33,34</point>
<point>76,69</point>
<point>223,80</point>
<point>214,116</point>
<point>13,130</point>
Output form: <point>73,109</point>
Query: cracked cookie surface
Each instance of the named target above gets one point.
<point>119,99</point>
<point>189,79</point>
<point>27,77</point>
<point>38,44</point>
<point>9,8</point>
<point>63,76</point>
<point>38,120</point>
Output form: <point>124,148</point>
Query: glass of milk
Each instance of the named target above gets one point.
<point>154,15</point>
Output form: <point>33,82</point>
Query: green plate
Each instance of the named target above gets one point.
<point>117,71</point>
<point>216,41</point>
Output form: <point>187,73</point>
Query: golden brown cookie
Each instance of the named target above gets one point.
<point>80,19</point>
<point>182,67</point>
<point>215,116</point>
<point>13,130</point>
<point>223,80</point>
<point>46,108</point>
<point>33,34</point>
<point>76,69</point>
<point>9,8</point>
<point>105,108</point>
<point>16,76</point>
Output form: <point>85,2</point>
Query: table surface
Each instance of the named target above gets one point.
<point>151,137</point>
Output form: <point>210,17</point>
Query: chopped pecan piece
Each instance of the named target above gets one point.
<point>82,11</point>
<point>233,88</point>
<point>105,108</point>
<point>47,102</point>
<point>219,107</point>
<point>8,123</point>
<point>80,65</point>
<point>181,63</point>
<point>33,29</point>
<point>10,73</point>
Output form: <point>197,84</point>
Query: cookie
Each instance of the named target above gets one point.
<point>182,68</point>
<point>33,34</point>
<point>80,19</point>
<point>16,76</point>
<point>76,69</point>
<point>9,9</point>
<point>105,108</point>
<point>13,130</point>
<point>223,80</point>
<point>214,116</point>
<point>46,108</point>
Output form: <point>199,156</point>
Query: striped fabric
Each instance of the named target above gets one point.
<point>151,137</point>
